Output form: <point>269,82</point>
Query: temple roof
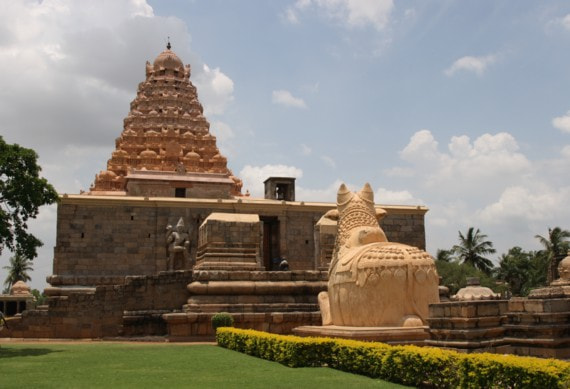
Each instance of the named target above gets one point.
<point>168,60</point>
<point>165,130</point>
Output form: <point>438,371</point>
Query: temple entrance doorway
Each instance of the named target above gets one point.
<point>270,242</point>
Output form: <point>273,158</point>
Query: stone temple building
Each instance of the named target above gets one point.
<point>164,237</point>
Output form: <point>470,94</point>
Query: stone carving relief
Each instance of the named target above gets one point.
<point>374,282</point>
<point>177,245</point>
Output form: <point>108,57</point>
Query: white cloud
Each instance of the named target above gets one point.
<point>254,176</point>
<point>477,65</point>
<point>523,204</point>
<point>489,160</point>
<point>216,90</point>
<point>565,21</point>
<point>399,171</point>
<point>285,97</point>
<point>486,182</point>
<point>402,197</point>
<point>68,71</point>
<point>327,194</point>
<point>328,161</point>
<point>350,13</point>
<point>291,16</point>
<point>562,122</point>
<point>305,150</point>
<point>224,135</point>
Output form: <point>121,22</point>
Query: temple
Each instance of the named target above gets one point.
<point>166,148</point>
<point>165,238</point>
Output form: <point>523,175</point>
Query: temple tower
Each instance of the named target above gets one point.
<point>166,148</point>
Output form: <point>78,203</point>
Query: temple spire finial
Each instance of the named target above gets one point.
<point>168,46</point>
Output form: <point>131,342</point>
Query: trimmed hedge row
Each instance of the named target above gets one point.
<point>408,365</point>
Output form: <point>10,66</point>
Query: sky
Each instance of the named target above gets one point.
<point>461,106</point>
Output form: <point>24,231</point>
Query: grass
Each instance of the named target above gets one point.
<point>112,365</point>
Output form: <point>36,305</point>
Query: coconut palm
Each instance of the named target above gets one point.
<point>444,255</point>
<point>556,246</point>
<point>472,249</point>
<point>18,270</point>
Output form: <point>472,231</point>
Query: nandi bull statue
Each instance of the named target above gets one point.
<point>373,282</point>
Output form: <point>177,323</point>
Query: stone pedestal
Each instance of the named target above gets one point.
<point>390,335</point>
<point>469,326</point>
<point>539,327</point>
<point>258,291</point>
<point>268,301</point>
<point>229,241</point>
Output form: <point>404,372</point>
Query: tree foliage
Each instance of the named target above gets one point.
<point>522,270</point>
<point>17,270</point>
<point>22,192</point>
<point>454,275</point>
<point>473,249</point>
<point>556,246</point>
<point>444,255</point>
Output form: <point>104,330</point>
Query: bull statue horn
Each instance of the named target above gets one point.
<point>344,195</point>
<point>366,193</point>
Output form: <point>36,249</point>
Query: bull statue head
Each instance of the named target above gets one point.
<point>357,218</point>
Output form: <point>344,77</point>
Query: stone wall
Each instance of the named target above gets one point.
<point>520,326</point>
<point>102,238</point>
<point>133,308</point>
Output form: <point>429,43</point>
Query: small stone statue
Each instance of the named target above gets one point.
<point>177,243</point>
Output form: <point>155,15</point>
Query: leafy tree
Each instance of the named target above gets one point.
<point>22,192</point>
<point>556,246</point>
<point>18,270</point>
<point>513,269</point>
<point>472,249</point>
<point>40,296</point>
<point>522,270</point>
<point>454,275</point>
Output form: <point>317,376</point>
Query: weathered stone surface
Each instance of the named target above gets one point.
<point>373,282</point>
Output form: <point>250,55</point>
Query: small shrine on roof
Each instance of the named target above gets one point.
<point>166,148</point>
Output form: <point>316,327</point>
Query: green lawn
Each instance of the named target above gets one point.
<point>83,365</point>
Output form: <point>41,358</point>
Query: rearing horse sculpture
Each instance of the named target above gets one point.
<point>373,282</point>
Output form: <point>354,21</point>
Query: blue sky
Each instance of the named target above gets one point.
<point>462,106</point>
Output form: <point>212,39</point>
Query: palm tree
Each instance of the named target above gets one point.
<point>472,248</point>
<point>444,255</point>
<point>18,270</point>
<point>556,246</point>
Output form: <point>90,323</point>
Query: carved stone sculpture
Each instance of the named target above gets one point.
<point>177,244</point>
<point>165,131</point>
<point>373,282</point>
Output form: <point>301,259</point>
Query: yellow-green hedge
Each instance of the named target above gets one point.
<point>409,365</point>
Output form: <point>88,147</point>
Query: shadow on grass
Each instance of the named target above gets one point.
<point>25,352</point>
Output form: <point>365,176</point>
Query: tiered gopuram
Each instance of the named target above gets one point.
<point>166,148</point>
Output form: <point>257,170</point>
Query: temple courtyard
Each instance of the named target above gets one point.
<point>85,364</point>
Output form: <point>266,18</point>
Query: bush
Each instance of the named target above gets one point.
<point>222,319</point>
<point>409,365</point>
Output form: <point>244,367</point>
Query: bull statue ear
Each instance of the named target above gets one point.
<point>380,213</point>
<point>332,215</point>
<point>366,193</point>
<point>344,195</point>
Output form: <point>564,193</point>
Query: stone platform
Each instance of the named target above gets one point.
<point>389,335</point>
<point>191,326</point>
<point>468,326</point>
<point>267,301</point>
